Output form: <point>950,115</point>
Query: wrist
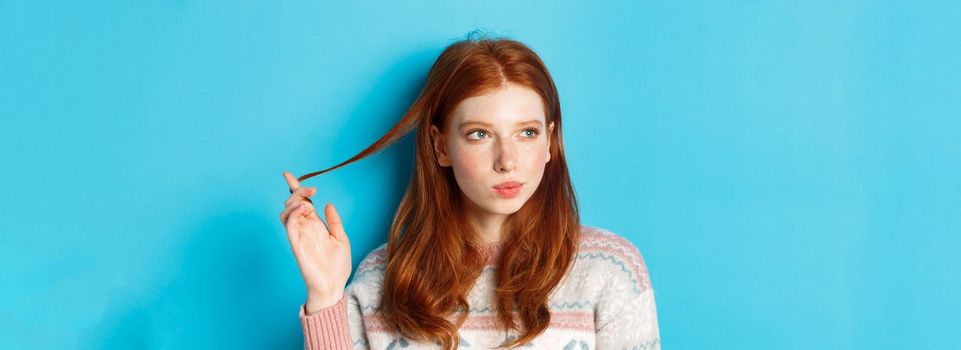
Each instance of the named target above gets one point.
<point>319,301</point>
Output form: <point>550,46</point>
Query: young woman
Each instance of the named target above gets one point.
<point>486,249</point>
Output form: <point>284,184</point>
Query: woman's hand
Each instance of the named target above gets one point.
<point>322,252</point>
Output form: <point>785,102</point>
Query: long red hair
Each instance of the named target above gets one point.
<point>430,233</point>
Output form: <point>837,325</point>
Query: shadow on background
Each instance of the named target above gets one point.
<point>231,267</point>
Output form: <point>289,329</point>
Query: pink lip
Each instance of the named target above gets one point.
<point>508,189</point>
<point>508,184</point>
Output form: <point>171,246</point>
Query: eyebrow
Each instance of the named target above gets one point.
<point>529,122</point>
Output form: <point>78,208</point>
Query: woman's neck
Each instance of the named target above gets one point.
<point>489,229</point>
<point>493,252</point>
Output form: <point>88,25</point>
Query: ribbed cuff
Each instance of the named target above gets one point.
<point>326,329</point>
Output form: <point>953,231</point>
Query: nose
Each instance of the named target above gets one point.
<point>506,157</point>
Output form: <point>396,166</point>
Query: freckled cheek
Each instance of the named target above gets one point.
<point>542,154</point>
<point>537,156</point>
<point>469,166</point>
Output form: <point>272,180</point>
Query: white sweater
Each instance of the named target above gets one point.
<point>605,302</point>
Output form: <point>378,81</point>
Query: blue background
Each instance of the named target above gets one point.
<point>789,170</point>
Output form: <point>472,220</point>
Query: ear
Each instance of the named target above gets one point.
<point>550,132</point>
<point>440,146</point>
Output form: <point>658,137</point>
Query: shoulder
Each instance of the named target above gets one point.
<point>367,283</point>
<point>603,250</point>
<point>373,265</point>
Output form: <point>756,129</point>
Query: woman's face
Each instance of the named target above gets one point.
<point>497,144</point>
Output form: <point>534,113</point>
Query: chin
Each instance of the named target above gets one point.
<point>497,206</point>
<point>506,210</point>
<point>506,207</point>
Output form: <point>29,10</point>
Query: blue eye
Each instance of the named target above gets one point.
<point>528,133</point>
<point>479,132</point>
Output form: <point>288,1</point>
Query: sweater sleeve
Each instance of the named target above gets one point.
<point>339,326</point>
<point>633,327</point>
<point>626,314</point>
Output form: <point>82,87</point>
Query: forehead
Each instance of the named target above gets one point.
<point>507,106</point>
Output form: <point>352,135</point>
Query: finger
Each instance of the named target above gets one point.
<point>293,225</point>
<point>289,210</point>
<point>310,212</point>
<point>291,214</point>
<point>334,223</point>
<point>292,233</point>
<point>298,215</point>
<point>286,213</point>
<point>301,194</point>
<point>292,181</point>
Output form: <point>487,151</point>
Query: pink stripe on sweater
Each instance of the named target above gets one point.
<point>572,320</point>
<point>597,242</point>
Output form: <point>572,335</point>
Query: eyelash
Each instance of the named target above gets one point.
<point>533,130</point>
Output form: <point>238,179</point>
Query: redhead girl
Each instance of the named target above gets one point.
<point>486,249</point>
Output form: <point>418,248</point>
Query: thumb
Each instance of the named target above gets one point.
<point>334,223</point>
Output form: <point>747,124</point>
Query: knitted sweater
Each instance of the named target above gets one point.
<point>605,302</point>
